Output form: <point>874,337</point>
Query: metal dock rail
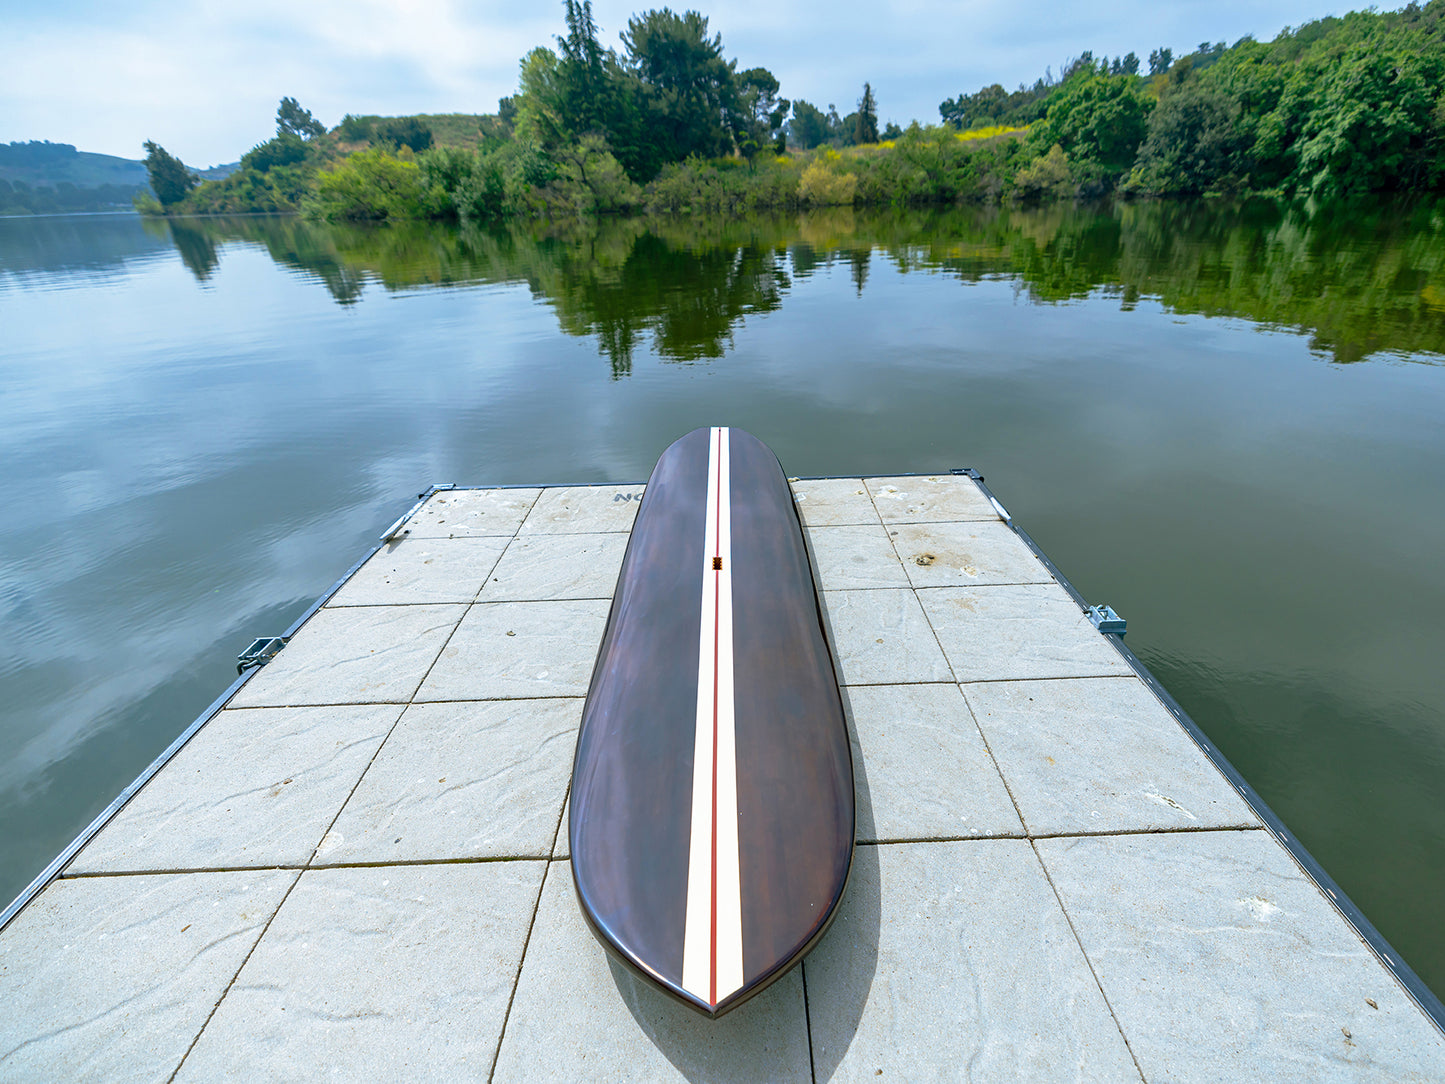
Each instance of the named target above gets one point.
<point>355,866</point>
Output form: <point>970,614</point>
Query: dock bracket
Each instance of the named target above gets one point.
<point>970,472</point>
<point>1105,619</point>
<point>261,651</point>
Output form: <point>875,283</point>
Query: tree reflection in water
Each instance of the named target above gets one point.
<point>1360,280</point>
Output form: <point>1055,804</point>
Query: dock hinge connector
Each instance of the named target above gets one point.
<point>1105,619</point>
<point>970,472</point>
<point>260,652</point>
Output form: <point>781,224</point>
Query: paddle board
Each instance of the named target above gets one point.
<point>712,810</point>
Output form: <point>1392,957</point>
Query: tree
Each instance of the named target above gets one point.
<point>285,150</point>
<point>809,126</point>
<point>764,111</point>
<point>540,104</point>
<point>1084,62</point>
<point>1193,142</point>
<point>582,74</point>
<point>291,119</point>
<point>1098,122</point>
<point>404,132</point>
<point>1367,130</point>
<point>994,105</point>
<point>1160,59</point>
<point>354,129</point>
<point>865,126</point>
<point>170,180</point>
<point>688,92</point>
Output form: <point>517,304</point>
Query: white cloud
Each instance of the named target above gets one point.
<point>203,79</point>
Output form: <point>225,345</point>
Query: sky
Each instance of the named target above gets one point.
<point>202,78</point>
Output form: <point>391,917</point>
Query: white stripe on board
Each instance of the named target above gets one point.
<point>697,931</point>
<point>728,963</point>
<point>712,948</point>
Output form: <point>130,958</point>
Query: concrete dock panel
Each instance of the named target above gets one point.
<point>938,499</point>
<point>833,502</point>
<point>547,566</point>
<point>583,510</point>
<point>855,558</point>
<point>882,638</point>
<point>390,973</point>
<point>954,961</point>
<point>112,978</point>
<point>520,650</point>
<point>354,655</point>
<point>256,787</point>
<point>578,1015</point>
<point>1011,632</point>
<point>1087,755</point>
<point>921,768</point>
<point>411,570</point>
<point>965,554</point>
<point>472,513</point>
<point>1223,962</point>
<point>463,780</point>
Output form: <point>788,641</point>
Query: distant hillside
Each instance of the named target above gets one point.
<point>45,163</point>
<point>215,173</point>
<point>40,177</point>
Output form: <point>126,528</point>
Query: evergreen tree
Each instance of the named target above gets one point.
<point>865,127</point>
<point>170,179</point>
<point>404,132</point>
<point>809,126</point>
<point>291,119</point>
<point>688,93</point>
<point>582,75</point>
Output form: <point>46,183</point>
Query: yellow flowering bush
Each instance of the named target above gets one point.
<point>987,133</point>
<point>819,186</point>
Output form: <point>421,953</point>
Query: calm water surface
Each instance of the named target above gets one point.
<point>1224,421</point>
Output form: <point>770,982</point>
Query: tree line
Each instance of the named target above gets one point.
<point>1336,107</point>
<point>63,197</point>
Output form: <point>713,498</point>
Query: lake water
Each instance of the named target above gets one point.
<point>1226,421</point>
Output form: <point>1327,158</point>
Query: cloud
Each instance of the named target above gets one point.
<point>203,79</point>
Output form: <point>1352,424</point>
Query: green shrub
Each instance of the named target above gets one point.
<point>590,180</point>
<point>700,186</point>
<point>1047,177</point>
<point>370,185</point>
<point>278,189</point>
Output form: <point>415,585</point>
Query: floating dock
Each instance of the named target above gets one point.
<point>355,867</point>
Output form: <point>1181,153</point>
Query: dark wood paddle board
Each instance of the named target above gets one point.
<point>712,792</point>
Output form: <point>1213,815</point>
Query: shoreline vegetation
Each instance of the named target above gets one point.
<point>1334,109</point>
